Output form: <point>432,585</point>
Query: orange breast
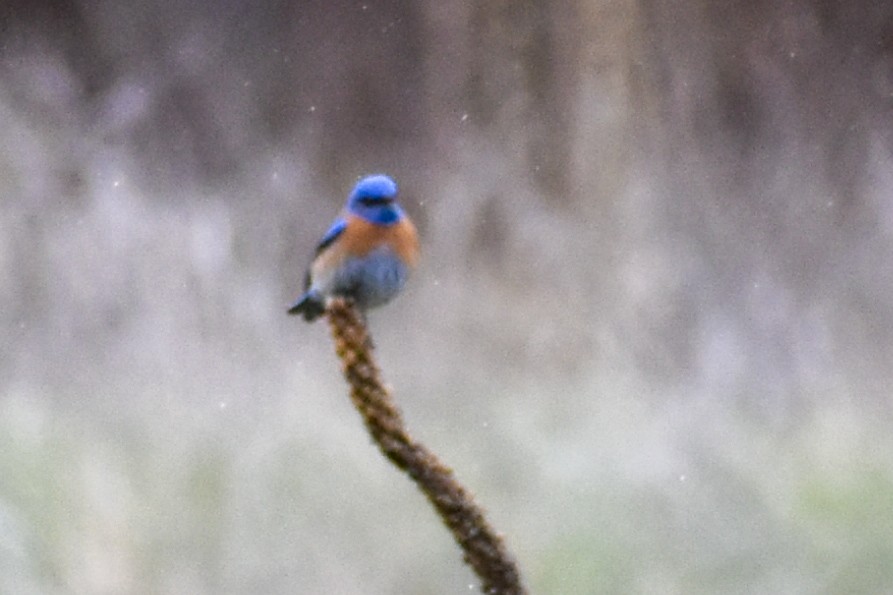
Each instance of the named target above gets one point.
<point>361,237</point>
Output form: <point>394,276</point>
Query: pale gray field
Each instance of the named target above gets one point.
<point>652,330</point>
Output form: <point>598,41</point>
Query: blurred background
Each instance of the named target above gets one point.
<point>652,331</point>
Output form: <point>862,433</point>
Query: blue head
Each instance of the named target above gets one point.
<point>374,198</point>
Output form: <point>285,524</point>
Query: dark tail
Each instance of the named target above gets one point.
<point>309,305</point>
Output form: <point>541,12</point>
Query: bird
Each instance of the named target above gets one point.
<point>366,255</point>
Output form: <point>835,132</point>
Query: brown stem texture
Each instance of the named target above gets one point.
<point>483,548</point>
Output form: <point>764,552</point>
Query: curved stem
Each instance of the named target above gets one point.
<point>483,548</point>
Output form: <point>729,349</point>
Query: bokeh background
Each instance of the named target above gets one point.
<point>653,329</point>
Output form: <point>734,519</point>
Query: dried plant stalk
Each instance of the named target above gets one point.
<point>483,548</point>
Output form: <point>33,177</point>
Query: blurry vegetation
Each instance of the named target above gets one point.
<point>652,329</point>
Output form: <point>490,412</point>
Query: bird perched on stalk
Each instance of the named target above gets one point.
<point>366,255</point>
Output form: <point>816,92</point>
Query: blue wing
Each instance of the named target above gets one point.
<point>327,240</point>
<point>336,230</point>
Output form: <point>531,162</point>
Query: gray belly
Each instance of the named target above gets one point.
<point>372,280</point>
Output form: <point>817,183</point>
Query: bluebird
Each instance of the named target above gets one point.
<point>366,255</point>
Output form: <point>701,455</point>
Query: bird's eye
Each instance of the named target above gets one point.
<point>371,201</point>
